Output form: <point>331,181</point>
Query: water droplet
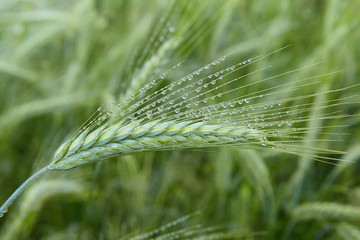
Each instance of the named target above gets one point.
<point>224,104</point>
<point>240,101</point>
<point>163,92</point>
<point>177,110</point>
<point>213,82</point>
<point>219,94</point>
<point>171,102</point>
<point>190,77</point>
<point>247,100</point>
<point>198,89</point>
<point>185,96</point>
<point>99,109</point>
<point>232,68</point>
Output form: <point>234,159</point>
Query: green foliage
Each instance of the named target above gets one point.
<point>61,60</point>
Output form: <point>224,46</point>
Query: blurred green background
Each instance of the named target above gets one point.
<point>60,60</point>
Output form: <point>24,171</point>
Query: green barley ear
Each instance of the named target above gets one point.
<point>326,211</point>
<point>182,228</point>
<point>348,231</point>
<point>202,109</point>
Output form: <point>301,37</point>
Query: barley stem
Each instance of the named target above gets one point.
<point>5,206</point>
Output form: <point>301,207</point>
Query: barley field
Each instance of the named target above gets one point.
<point>230,119</point>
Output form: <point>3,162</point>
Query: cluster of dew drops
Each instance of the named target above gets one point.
<point>197,97</point>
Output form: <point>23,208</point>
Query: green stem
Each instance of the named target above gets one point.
<point>11,199</point>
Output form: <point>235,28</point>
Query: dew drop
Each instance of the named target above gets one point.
<point>185,96</point>
<point>190,77</point>
<point>99,109</point>
<point>198,89</point>
<point>224,105</point>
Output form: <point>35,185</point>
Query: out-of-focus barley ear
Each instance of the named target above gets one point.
<point>183,229</point>
<point>326,211</point>
<point>348,231</point>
